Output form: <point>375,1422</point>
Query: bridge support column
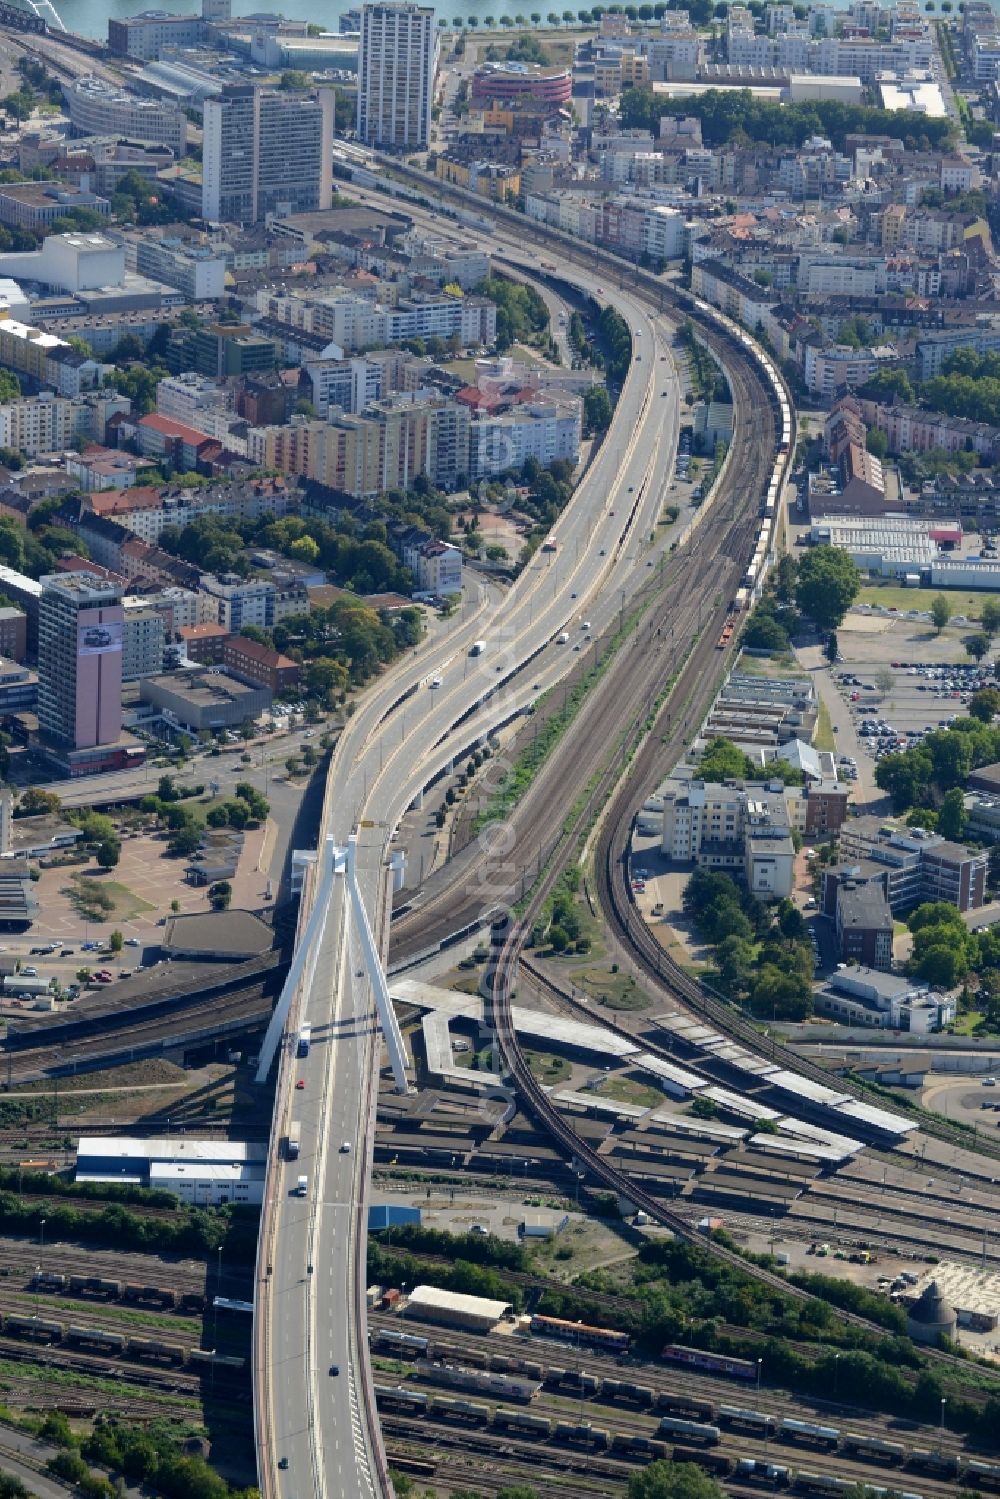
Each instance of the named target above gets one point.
<point>311,938</point>
<point>376,973</point>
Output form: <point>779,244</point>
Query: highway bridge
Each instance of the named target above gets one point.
<point>316,1430</point>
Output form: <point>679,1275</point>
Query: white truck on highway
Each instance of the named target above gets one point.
<point>302,1186</point>
<point>478,646</point>
<point>562,637</point>
<point>294,1140</point>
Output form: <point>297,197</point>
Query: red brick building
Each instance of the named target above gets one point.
<point>252,662</point>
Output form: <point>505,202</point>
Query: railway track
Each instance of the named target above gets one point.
<point>887,1203</point>
<point>662,1378</point>
<point>145,1037</point>
<point>681,604</point>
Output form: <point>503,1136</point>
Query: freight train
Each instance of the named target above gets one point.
<point>98,1288</point>
<point>125,1345</point>
<point>770,501</point>
<point>699,1438</point>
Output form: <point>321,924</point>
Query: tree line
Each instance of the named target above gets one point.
<point>735,116</point>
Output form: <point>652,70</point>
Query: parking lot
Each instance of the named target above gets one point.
<point>894,707</point>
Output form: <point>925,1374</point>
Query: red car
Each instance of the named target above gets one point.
<point>301,1083</point>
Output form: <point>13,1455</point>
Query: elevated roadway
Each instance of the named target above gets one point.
<point>307,1321</point>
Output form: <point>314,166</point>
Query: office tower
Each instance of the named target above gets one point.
<point>266,152</point>
<point>79,661</point>
<point>397,61</point>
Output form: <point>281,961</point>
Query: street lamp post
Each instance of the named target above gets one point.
<point>944,1402</point>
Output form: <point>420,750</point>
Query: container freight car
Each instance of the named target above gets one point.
<point>481,1382</point>
<point>692,1431</point>
<point>572,1379</point>
<point>473,1411</point>
<point>395,1397</point>
<point>579,1332</point>
<point>624,1389</point>
<point>980,1475</point>
<point>523,1422</point>
<point>208,1356</point>
<point>403,1343</point>
<point>151,1295</point>
<point>684,1405</point>
<point>936,1464</point>
<point>710,1363</point>
<point>822,1484</point>
<point>48,1280</point>
<point>95,1285</point>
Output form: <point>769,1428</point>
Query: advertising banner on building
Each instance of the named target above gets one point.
<point>99,640</point>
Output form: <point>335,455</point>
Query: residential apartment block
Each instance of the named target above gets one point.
<point>397,61</point>
<point>920,866</point>
<point>266,152</point>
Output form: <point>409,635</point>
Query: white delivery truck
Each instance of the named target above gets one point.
<point>302,1186</point>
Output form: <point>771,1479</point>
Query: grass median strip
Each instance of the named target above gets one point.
<point>528,763</point>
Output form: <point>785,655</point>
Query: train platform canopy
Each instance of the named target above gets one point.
<point>736,1103</point>
<point>879,1119</point>
<point>539,1025</point>
<point>801,1128</point>
<point>802,1150</point>
<point>676,1080</point>
<point>593,1103</point>
<point>704,1129</point>
<point>476,1313</point>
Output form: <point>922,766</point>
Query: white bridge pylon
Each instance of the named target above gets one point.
<point>336,861</point>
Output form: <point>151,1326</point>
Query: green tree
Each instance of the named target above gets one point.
<point>990,617</point>
<point>667,1480</point>
<point>951,817</point>
<point>985,704</point>
<point>597,409</point>
<point>185,841</point>
<point>108,853</point>
<point>877,443</point>
<point>977,645</point>
<point>723,761</point>
<point>940,611</point>
<point>116,941</point>
<point>827,585</point>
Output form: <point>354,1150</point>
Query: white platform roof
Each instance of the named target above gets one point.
<point>671,1071</point>
<point>737,1103</point>
<point>599,1105</point>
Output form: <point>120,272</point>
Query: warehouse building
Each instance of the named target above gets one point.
<point>210,701</point>
<point>473,1313</point>
<point>204,1172</point>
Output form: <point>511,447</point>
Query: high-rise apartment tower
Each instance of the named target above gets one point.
<point>266,152</point>
<point>397,61</point>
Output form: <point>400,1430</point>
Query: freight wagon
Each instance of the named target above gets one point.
<point>523,1422</point>
<point>711,1363</point>
<point>581,1435</point>
<point>579,1332</point>
<point>96,1337</point>
<point>694,1431</point>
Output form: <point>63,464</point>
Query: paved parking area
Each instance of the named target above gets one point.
<point>898,677</point>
